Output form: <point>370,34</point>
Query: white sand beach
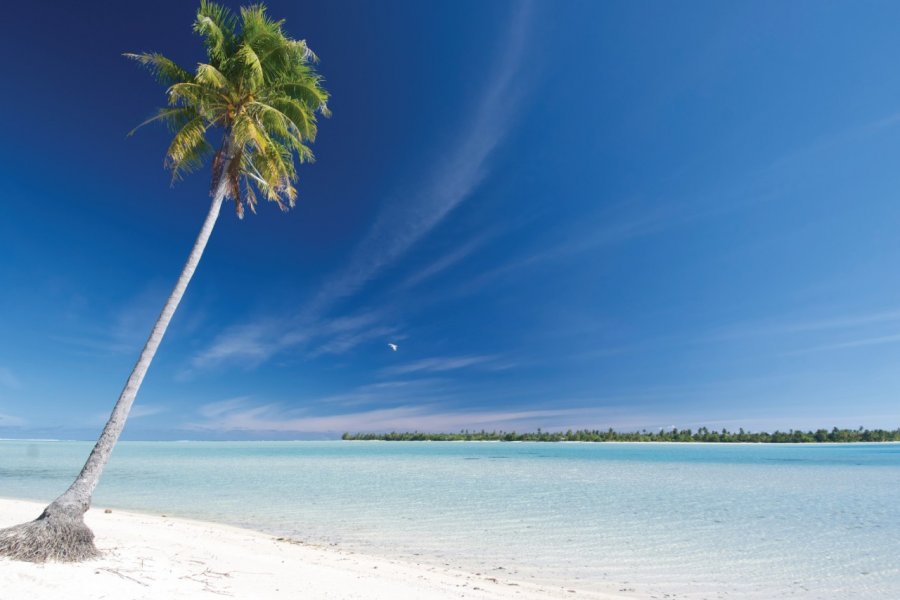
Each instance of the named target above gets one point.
<point>154,557</point>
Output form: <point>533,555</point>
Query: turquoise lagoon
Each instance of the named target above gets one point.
<point>696,520</point>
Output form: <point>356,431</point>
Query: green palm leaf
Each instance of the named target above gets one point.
<point>188,148</point>
<point>216,24</point>
<point>259,87</point>
<point>254,66</point>
<point>163,69</point>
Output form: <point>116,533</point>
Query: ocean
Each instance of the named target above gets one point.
<point>695,520</point>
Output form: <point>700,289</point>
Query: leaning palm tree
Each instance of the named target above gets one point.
<point>258,88</point>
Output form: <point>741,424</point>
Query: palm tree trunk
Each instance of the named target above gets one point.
<point>60,533</point>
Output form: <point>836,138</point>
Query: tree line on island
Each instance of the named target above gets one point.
<point>702,434</point>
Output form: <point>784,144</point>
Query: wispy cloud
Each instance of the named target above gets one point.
<point>632,221</point>
<point>342,334</point>
<point>833,140</point>
<point>446,261</point>
<point>138,411</point>
<point>10,421</point>
<point>779,327</point>
<point>440,364</point>
<point>146,410</point>
<point>212,410</point>
<point>401,224</point>
<point>390,393</point>
<point>8,379</point>
<point>250,344</point>
<point>856,343</point>
<point>610,228</point>
<point>273,418</point>
<point>405,221</point>
<point>125,329</point>
<point>799,336</point>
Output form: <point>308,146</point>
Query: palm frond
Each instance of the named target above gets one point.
<point>211,76</point>
<point>188,148</point>
<point>216,24</point>
<point>250,59</point>
<point>205,99</point>
<point>249,194</point>
<point>174,118</point>
<point>255,23</point>
<point>165,70</point>
<point>305,51</point>
<point>307,91</point>
<point>259,85</point>
<point>281,127</point>
<point>271,119</point>
<point>246,132</point>
<point>299,116</point>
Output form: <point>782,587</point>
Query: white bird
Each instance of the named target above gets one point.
<point>392,346</point>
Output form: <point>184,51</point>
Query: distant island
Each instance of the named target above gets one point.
<point>673,435</point>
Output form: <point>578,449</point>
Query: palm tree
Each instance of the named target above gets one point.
<point>259,88</point>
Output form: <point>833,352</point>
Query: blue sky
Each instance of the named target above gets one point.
<point>566,214</point>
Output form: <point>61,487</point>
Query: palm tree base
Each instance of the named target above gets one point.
<point>57,535</point>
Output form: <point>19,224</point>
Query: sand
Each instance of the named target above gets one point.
<point>158,557</point>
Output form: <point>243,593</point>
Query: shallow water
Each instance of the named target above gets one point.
<point>699,520</point>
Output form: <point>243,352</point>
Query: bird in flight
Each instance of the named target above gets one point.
<point>392,346</point>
